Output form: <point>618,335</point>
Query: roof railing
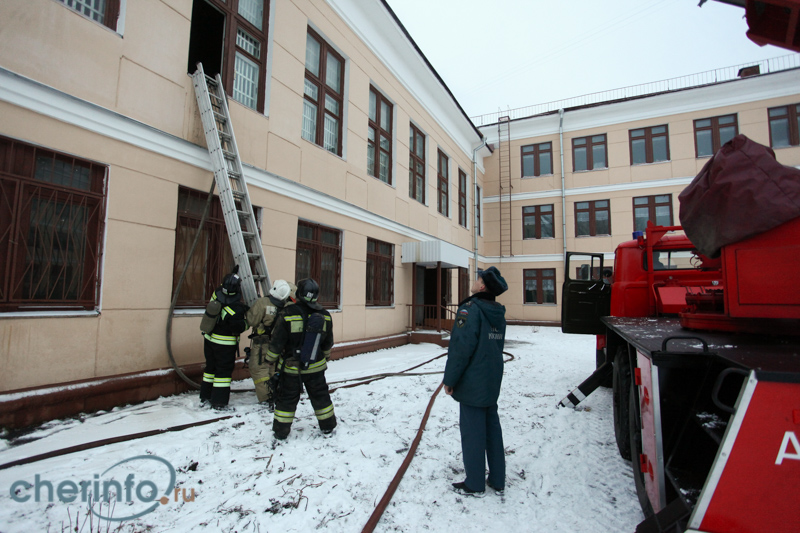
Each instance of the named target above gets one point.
<point>765,66</point>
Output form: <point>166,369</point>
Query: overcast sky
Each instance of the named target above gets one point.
<point>504,54</point>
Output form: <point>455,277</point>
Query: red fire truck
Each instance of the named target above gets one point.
<point>699,336</point>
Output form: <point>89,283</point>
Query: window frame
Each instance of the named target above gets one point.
<point>539,276</point>
<point>462,198</point>
<point>479,226</point>
<point>31,195</point>
<point>316,249</point>
<point>442,183</point>
<point>793,118</point>
<point>415,160</point>
<point>376,259</point>
<point>714,127</point>
<point>323,92</point>
<point>589,144</point>
<point>651,206</point>
<point>537,214</point>
<point>648,136</point>
<point>592,210</point>
<point>218,258</point>
<point>375,125</point>
<point>110,17</point>
<point>535,151</point>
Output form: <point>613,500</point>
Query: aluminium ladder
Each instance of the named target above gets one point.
<point>240,219</point>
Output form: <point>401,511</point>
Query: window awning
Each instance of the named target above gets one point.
<point>430,253</point>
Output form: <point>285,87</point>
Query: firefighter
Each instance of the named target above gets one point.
<point>288,336</point>
<point>472,376</point>
<point>221,344</point>
<point>262,317</point>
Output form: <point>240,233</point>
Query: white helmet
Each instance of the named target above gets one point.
<point>280,290</point>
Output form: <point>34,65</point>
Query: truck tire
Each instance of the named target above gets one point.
<point>621,390</point>
<point>636,451</point>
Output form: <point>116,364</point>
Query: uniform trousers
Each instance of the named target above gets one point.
<point>482,442</point>
<point>220,360</point>
<point>288,396</point>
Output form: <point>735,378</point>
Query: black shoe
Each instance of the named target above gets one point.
<point>462,489</point>
<point>497,491</point>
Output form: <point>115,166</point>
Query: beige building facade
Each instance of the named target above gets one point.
<point>364,169</point>
<point>647,150</point>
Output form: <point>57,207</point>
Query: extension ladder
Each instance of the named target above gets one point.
<point>240,219</point>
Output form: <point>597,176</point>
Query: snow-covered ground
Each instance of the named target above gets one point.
<point>563,470</point>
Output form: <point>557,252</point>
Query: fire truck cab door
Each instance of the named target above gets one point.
<point>585,297</point>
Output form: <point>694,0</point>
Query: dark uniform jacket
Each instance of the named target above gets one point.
<point>231,320</point>
<point>475,355</point>
<point>287,337</point>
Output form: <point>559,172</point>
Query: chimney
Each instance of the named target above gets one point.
<point>746,72</point>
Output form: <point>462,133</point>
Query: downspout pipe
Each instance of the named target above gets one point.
<point>563,186</point>
<point>475,204</point>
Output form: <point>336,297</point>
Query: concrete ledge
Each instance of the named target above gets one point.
<point>24,407</point>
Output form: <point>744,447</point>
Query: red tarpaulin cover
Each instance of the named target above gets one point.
<point>741,191</point>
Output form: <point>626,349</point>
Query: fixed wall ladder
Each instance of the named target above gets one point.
<point>240,219</point>
<point>506,189</point>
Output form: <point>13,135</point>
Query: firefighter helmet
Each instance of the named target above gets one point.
<point>308,291</point>
<point>280,290</point>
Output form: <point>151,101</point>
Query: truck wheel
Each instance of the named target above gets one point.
<point>636,451</point>
<point>622,386</point>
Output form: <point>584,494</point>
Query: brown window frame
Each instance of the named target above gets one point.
<point>442,183</point>
<point>52,217</point>
<point>714,127</point>
<point>589,142</point>
<point>538,276</point>
<point>478,211</point>
<point>377,131</point>
<point>110,16</point>
<point>325,91</point>
<point>535,152</point>
<point>317,248</point>
<point>226,29</point>
<point>792,116</point>
<point>380,273</point>
<point>592,209</point>
<point>537,213</point>
<point>648,135</point>
<point>462,198</point>
<point>212,258</point>
<point>652,203</point>
<point>416,161</point>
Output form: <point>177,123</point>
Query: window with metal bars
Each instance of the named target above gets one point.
<point>52,209</point>
<point>540,285</point>
<point>537,222</point>
<point>230,38</point>
<point>592,218</point>
<point>106,12</point>
<point>380,273</point>
<point>649,145</point>
<point>416,165</point>
<point>443,184</point>
<point>212,259</point>
<point>711,133</point>
<point>784,126</point>
<point>462,198</point>
<point>379,137</point>
<point>323,104</point>
<point>537,159</point>
<point>656,208</point>
<point>319,256</point>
